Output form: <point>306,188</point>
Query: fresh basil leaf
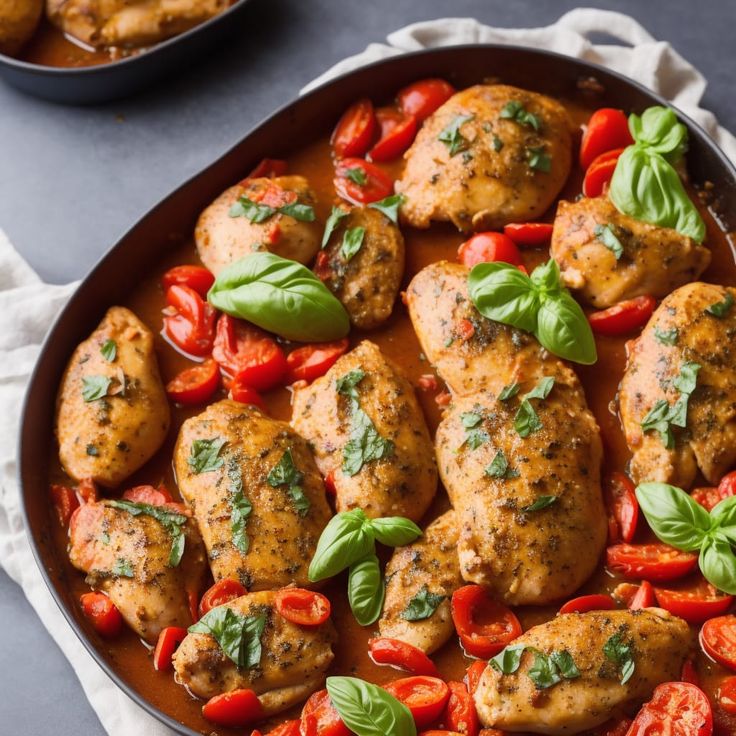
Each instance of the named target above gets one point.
<point>123,568</point>
<point>564,330</point>
<point>499,466</point>
<point>347,385</point>
<point>515,110</point>
<point>723,513</point>
<point>509,391</point>
<point>607,235</point>
<point>109,350</point>
<point>251,210</point>
<point>395,531</point>
<point>538,159</point>
<point>666,337</point>
<point>352,242</point>
<point>527,420</point>
<point>337,215</point>
<point>95,387</point>
<point>452,137</point>
<point>475,435</point>
<point>497,144</point>
<point>718,564</point>
<point>240,507</point>
<point>658,129</point>
<point>357,176</point>
<point>239,637</point>
<point>389,206</point>
<point>688,378</point>
<point>542,389</point>
<point>422,605</point>
<point>543,672</point>
<point>204,455</point>
<point>507,661</point>
<point>284,473</point>
<point>565,664</point>
<point>721,309</point>
<point>299,211</point>
<point>541,503</point>
<point>621,652</point>
<point>657,419</point>
<point>364,445</point>
<point>368,710</point>
<point>280,296</point>
<point>366,590</point>
<point>346,539</point>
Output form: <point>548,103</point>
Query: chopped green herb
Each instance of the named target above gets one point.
<point>109,350</point>
<point>452,137</point>
<point>337,215</point>
<point>105,538</point>
<point>352,242</point>
<point>527,420</point>
<point>389,206</point>
<point>507,661</point>
<point>721,309</point>
<point>301,212</point>
<point>509,391</point>
<point>123,568</point>
<point>357,175</point>
<point>538,159</point>
<point>666,337</point>
<point>422,605</point>
<point>543,502</point>
<point>347,384</point>
<point>548,670</point>
<point>607,235</point>
<point>499,467</point>
<point>542,389</point>
<point>621,653</point>
<point>204,455</point>
<point>95,387</point>
<point>258,213</point>
<point>449,341</point>
<point>475,435</point>
<point>515,110</point>
<point>284,473</point>
<point>240,507</point>
<point>239,637</point>
<point>92,450</point>
<point>497,144</point>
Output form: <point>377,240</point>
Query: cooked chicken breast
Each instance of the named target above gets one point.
<point>492,154</point>
<point>369,435</point>
<point>223,236</point>
<point>292,665</point>
<point>130,23</point>
<point>127,557</point>
<point>111,413</point>
<point>420,581</point>
<point>693,326</point>
<point>657,642</point>
<point>367,281</point>
<point>608,257</point>
<point>259,500</point>
<point>18,22</point>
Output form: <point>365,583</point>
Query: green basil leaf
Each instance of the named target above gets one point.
<point>718,564</point>
<point>284,473</point>
<point>723,513</point>
<point>368,710</point>
<point>395,531</point>
<point>109,350</point>
<point>538,159</point>
<point>301,212</point>
<point>527,420</point>
<point>515,110</point>
<point>123,568</point>
<point>280,296</point>
<point>657,419</point>
<point>509,391</point>
<point>666,337</point>
<point>352,242</point>
<point>565,664</point>
<point>95,387</point>
<point>564,330</point>
<point>347,385</point>
<point>422,605</point>
<point>204,455</point>
<point>688,378</point>
<point>345,540</point>
<point>251,210</point>
<point>337,215</point>
<point>542,389</point>
<point>475,435</point>
<point>499,466</point>
<point>366,590</point>
<point>240,507</point>
<point>658,129</point>
<point>721,309</point>
<point>389,206</point>
<point>364,445</point>
<point>543,672</point>
<point>497,144</point>
<point>507,661</point>
<point>452,137</point>
<point>239,637</point>
<point>541,503</point>
<point>607,235</point>
<point>621,652</point>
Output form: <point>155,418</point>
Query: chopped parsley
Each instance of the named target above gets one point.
<point>452,137</point>
<point>515,110</point>
<point>352,242</point>
<point>239,637</point>
<point>109,350</point>
<point>284,473</point>
<point>422,605</point>
<point>95,387</point>
<point>204,455</point>
<point>721,309</point>
<point>606,234</point>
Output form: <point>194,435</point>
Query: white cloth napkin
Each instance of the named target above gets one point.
<point>27,307</point>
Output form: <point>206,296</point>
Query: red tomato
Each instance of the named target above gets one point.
<point>428,382</point>
<point>148,494</point>
<point>193,601</point>
<point>726,695</point>
<point>241,392</point>
<point>224,591</point>
<point>654,561</point>
<point>355,129</point>
<point>635,596</point>
<point>192,326</point>
<point>465,329</point>
<point>694,603</point>
<point>484,626</point>
<point>623,317</point>
<point>425,697</point>
<point>439,732</point>
<point>269,167</point>
<point>195,385</point>
<point>529,234</point>
<point>487,248</point>
<point>65,501</point>
<point>460,714</point>
<point>288,728</point>
<point>707,497</point>
<point>377,185</point>
<point>397,133</point>
<point>87,490</point>
<point>690,673</point>
<point>422,98</point>
<point>676,709</point>
<point>615,728</point>
<point>329,481</point>
<point>195,277</point>
<point>473,674</point>
<point>718,640</point>
<point>168,640</point>
<point>313,361</point>
<point>727,486</point>
<point>320,717</point>
<point>248,353</point>
<point>607,129</point>
<point>302,607</point>
<point>400,654</point>
<point>593,602</point>
<point>600,172</point>
<point>102,613</point>
<point>623,508</point>
<point>233,709</point>
<point>443,398</point>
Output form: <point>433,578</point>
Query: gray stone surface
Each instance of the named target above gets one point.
<point>73,179</point>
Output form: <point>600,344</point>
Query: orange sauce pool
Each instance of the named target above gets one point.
<point>397,339</point>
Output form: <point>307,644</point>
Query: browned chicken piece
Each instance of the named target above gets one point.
<point>255,492</point>
<point>227,231</point>
<point>676,398</point>
<point>366,281</point>
<point>292,664</point>
<point>128,556</point>
<point>492,154</point>
<point>18,22</point>
<point>440,310</point>
<point>369,436</point>
<point>112,414</point>
<point>129,23</point>
<point>420,581</point>
<point>609,257</point>
<point>657,643</point>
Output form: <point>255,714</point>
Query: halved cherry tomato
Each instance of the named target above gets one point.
<point>656,561</point>
<point>195,277</point>
<point>376,185</point>
<point>355,129</point>
<point>487,248</point>
<point>425,697</point>
<point>102,613</point>
<point>726,695</point>
<point>593,602</point>
<point>224,591</point>
<point>329,481</point>
<point>460,714</point>
<point>268,167</point>
<point>473,675</point>
<point>195,385</point>
<point>65,501</point>
<point>676,709</point>
<point>397,132</point>
<point>288,728</point>
<point>718,639</point>
<point>422,98</point>
<point>607,129</point>
<point>600,172</point>
<point>708,497</point>
<point>623,508</point>
<point>689,673</point>
<point>694,603</point>
<point>623,317</point>
<point>168,640</point>
<point>248,353</point>
<point>320,717</point>
<point>529,234</point>
<point>234,709</point>
<point>148,494</point>
<point>484,626</point>
<point>635,596</point>
<point>302,607</point>
<point>243,393</point>
<point>313,361</point>
<point>400,654</point>
<point>192,326</point>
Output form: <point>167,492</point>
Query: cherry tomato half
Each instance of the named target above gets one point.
<point>726,695</point>
<point>677,709</point>
<point>657,561</point>
<point>424,696</point>
<point>484,626</point>
<point>168,640</point>
<point>65,502</point>
<point>718,639</point>
<point>355,130</point>
<point>361,182</point>
<point>694,603</point>
<point>102,613</point>
<point>243,393</point>
<point>400,654</point>
<point>148,494</point>
<point>708,497</point>
<point>473,674</point>
<point>288,728</point>
<point>623,508</point>
<point>635,596</point>
<point>623,317</point>
<point>422,98</point>
<point>529,234</point>
<point>607,129</point>
<point>192,327</point>
<point>223,591</point>
<point>727,486</point>
<point>487,248</point>
<point>195,385</point>
<point>302,607</point>
<point>460,714</point>
<point>593,602</point>
<point>600,173</point>
<point>397,134</point>
<point>233,709</point>
<point>195,277</point>
<point>268,167</point>
<point>320,717</point>
<point>312,361</point>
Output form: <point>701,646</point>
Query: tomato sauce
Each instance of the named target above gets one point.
<point>133,661</point>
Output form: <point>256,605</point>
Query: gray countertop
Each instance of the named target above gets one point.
<point>73,179</point>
